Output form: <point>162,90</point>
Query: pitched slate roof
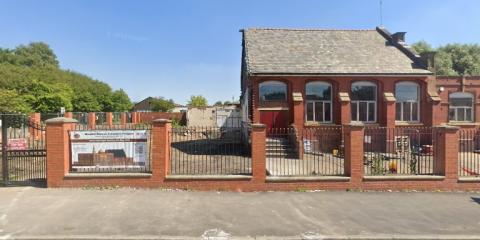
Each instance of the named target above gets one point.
<point>313,51</point>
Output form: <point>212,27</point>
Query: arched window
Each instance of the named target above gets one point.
<point>407,104</point>
<point>364,101</point>
<point>460,107</point>
<point>319,102</point>
<point>273,91</point>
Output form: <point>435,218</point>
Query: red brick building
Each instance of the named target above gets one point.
<point>459,103</point>
<point>325,77</point>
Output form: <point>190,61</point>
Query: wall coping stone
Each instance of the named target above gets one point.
<point>403,178</point>
<point>208,177</point>
<point>308,179</point>
<point>355,124</point>
<point>61,120</point>
<point>162,120</point>
<point>469,179</point>
<point>447,127</point>
<point>258,125</point>
<point>107,175</point>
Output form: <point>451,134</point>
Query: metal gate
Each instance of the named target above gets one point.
<point>23,151</point>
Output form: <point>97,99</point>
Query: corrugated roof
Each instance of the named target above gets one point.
<point>317,51</point>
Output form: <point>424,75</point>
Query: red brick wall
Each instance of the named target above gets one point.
<point>148,117</point>
<point>341,84</point>
<point>454,84</point>
<point>58,160</point>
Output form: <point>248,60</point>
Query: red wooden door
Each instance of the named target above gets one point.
<point>267,118</point>
<point>274,119</point>
<point>280,119</point>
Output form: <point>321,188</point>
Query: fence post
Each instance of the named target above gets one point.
<point>353,137</point>
<point>123,118</point>
<point>258,145</point>
<point>161,147</point>
<point>109,118</point>
<point>58,149</point>
<point>35,118</point>
<point>91,120</point>
<point>134,117</point>
<point>446,151</point>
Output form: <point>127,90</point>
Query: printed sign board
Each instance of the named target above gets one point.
<point>17,144</point>
<point>112,148</point>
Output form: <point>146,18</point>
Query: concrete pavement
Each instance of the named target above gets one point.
<point>35,213</point>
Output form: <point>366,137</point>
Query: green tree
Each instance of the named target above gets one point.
<point>453,59</point>
<point>421,47</point>
<point>43,97</point>
<point>85,102</point>
<point>11,102</point>
<point>35,54</point>
<point>162,105</point>
<point>197,101</point>
<point>120,101</point>
<point>32,71</point>
<point>218,103</point>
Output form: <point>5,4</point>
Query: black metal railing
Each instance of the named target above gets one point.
<point>403,151</point>
<point>23,150</point>
<point>110,149</point>
<point>309,152</point>
<point>209,151</point>
<point>117,117</point>
<point>81,117</point>
<point>469,153</point>
<point>100,118</point>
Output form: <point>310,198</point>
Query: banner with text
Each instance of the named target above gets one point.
<point>112,148</point>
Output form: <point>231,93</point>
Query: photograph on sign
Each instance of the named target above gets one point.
<point>113,148</point>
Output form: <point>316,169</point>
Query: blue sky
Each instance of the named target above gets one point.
<point>178,48</point>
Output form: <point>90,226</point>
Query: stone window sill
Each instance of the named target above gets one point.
<point>402,123</point>
<point>318,124</point>
<point>463,123</point>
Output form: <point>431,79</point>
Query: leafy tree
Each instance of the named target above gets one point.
<point>421,47</point>
<point>120,101</point>
<point>35,54</point>
<point>218,103</point>
<point>32,71</point>
<point>44,97</point>
<point>10,101</point>
<point>227,103</point>
<point>453,59</point>
<point>85,102</point>
<point>162,105</point>
<point>197,101</point>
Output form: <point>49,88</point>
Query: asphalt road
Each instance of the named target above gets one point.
<point>35,213</point>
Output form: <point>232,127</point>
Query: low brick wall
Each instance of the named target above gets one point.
<point>446,157</point>
<point>148,117</point>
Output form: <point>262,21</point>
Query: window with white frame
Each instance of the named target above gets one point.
<point>460,107</point>
<point>407,105</point>
<point>318,102</point>
<point>273,91</point>
<point>364,101</point>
